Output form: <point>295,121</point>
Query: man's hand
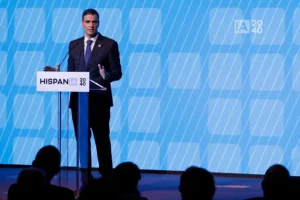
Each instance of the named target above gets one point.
<point>52,69</point>
<point>103,72</point>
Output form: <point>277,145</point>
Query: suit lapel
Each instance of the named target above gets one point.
<point>96,51</point>
<point>81,55</point>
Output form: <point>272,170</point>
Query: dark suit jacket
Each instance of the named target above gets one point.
<point>106,53</point>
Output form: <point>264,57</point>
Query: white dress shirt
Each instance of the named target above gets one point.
<point>94,39</point>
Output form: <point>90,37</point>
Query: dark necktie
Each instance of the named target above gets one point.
<point>88,51</point>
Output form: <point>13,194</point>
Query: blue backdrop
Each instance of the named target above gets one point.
<point>208,83</point>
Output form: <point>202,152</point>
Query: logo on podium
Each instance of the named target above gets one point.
<point>63,81</point>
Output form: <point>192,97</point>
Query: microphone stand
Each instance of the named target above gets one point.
<point>57,69</point>
<point>59,124</point>
<point>60,131</point>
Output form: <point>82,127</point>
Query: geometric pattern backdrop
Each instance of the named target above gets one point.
<point>208,83</point>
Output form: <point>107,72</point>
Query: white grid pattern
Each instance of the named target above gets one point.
<point>213,110</point>
<point>30,63</point>
<point>3,24</point>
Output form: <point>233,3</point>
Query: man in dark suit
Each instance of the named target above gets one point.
<point>98,55</point>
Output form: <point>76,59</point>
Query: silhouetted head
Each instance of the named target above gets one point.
<point>31,177</point>
<point>31,184</point>
<point>277,171</point>
<point>126,176</point>
<point>197,183</point>
<point>48,159</point>
<point>275,182</point>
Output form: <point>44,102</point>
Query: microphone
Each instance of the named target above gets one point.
<point>57,68</point>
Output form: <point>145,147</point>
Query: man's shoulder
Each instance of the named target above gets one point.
<point>76,40</point>
<point>108,40</point>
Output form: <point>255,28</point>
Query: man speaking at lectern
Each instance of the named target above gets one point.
<point>98,55</point>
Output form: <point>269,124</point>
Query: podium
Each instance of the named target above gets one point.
<point>79,82</point>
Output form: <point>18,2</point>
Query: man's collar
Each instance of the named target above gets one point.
<point>92,38</point>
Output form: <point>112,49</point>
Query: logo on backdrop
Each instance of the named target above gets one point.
<point>248,26</point>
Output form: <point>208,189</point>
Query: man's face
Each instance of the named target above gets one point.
<point>90,24</point>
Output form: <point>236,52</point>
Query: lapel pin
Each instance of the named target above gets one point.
<point>99,45</point>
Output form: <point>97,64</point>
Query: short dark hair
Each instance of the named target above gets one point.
<point>47,157</point>
<point>197,181</point>
<point>90,11</point>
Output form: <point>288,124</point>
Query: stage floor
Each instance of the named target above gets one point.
<point>156,186</point>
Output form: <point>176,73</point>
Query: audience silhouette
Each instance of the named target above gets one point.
<point>125,180</point>
<point>46,163</point>
<point>197,183</point>
<point>30,185</point>
<point>277,184</point>
<point>34,183</point>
